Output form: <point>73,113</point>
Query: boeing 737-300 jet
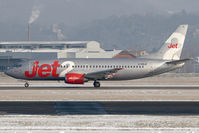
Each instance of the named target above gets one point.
<point>79,71</point>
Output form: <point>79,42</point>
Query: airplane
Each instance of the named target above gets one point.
<point>79,71</point>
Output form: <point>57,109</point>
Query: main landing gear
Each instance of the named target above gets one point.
<point>26,85</point>
<point>96,84</point>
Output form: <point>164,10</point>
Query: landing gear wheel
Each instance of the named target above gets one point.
<point>26,85</point>
<point>96,84</point>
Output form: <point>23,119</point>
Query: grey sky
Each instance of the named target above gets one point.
<point>77,11</point>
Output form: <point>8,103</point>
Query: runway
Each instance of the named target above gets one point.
<point>98,108</point>
<point>51,92</point>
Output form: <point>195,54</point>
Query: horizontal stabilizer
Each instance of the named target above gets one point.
<point>175,62</point>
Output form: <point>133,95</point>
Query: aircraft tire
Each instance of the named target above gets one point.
<point>26,85</point>
<point>96,84</point>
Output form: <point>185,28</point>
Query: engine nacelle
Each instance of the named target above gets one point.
<point>74,78</point>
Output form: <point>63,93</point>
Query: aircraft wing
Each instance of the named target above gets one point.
<point>105,74</point>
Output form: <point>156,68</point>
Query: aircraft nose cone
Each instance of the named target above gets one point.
<point>8,72</point>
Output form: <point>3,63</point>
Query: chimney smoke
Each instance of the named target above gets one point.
<point>34,16</point>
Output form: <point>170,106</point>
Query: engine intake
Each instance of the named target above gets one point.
<point>74,78</point>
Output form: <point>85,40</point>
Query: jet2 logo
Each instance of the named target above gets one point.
<point>173,45</point>
<point>44,70</point>
<point>69,64</point>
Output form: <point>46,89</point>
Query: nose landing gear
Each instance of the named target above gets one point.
<point>96,84</point>
<point>26,85</point>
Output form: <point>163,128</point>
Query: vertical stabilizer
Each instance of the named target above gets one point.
<point>172,48</point>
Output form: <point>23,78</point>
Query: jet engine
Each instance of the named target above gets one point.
<point>75,78</point>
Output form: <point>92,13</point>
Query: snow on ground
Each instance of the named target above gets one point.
<point>96,122</point>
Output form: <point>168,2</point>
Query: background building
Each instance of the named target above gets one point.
<point>12,52</point>
<point>55,49</point>
<point>130,54</point>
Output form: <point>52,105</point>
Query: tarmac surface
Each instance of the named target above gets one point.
<point>98,108</point>
<point>64,93</point>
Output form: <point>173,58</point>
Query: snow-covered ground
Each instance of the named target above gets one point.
<point>97,122</point>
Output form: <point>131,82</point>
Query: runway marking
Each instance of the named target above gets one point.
<point>64,108</point>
